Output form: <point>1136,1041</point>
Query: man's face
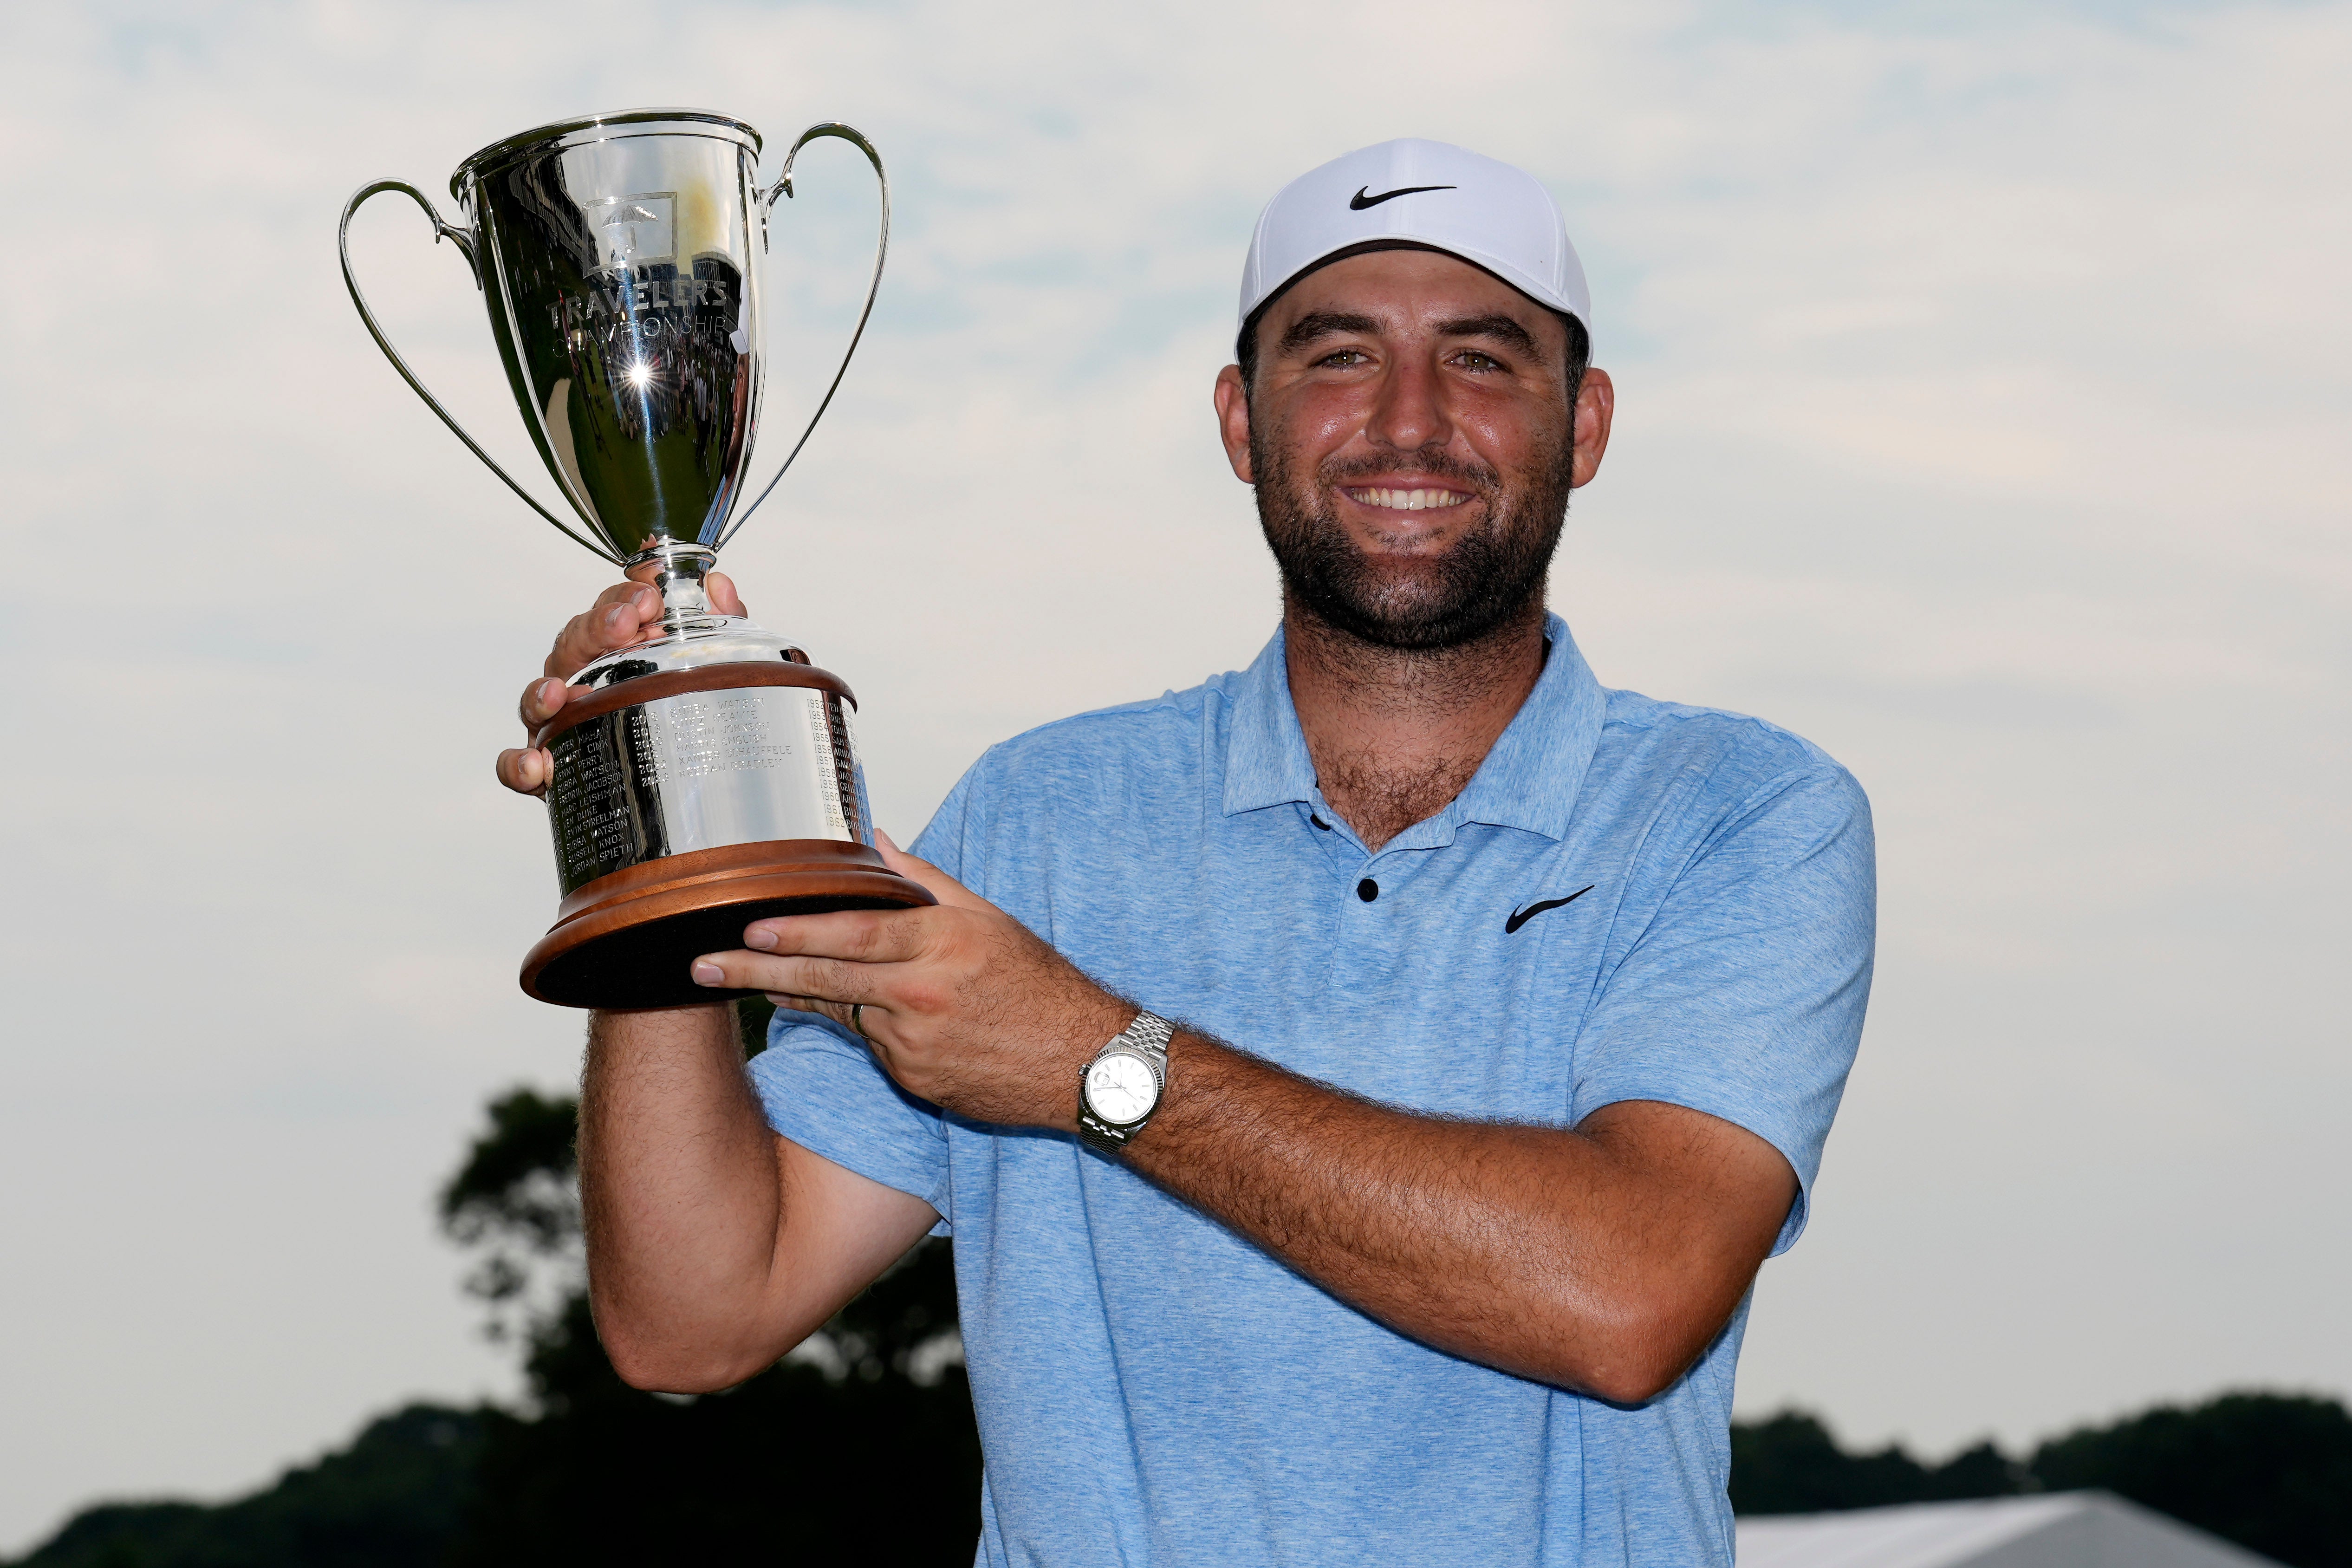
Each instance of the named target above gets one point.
<point>1410,436</point>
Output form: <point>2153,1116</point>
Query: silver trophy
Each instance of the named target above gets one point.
<point>709,777</point>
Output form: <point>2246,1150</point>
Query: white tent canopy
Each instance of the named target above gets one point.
<point>2066,1529</point>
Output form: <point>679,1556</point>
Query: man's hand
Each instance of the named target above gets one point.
<point>619,618</point>
<point>964,1005</point>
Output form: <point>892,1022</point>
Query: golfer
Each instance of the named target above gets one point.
<point>1361,1088</point>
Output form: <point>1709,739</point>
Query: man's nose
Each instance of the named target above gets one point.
<point>1410,411</point>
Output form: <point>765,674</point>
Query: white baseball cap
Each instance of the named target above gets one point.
<point>1423,193</point>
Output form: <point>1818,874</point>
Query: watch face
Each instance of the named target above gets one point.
<point>1121,1087</point>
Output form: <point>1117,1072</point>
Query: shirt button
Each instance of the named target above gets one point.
<point>1368,889</point>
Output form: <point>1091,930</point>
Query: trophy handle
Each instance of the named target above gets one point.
<point>784,186</point>
<point>463,239</point>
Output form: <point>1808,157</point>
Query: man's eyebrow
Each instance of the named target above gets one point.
<point>1322,324</point>
<point>1505,330</point>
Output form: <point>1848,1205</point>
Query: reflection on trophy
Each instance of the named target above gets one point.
<point>708,779</point>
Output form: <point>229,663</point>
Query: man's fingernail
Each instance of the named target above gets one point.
<point>760,937</point>
<point>613,616</point>
<point>706,973</point>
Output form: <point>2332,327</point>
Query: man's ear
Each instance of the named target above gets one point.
<point>1234,422</point>
<point>1596,407</point>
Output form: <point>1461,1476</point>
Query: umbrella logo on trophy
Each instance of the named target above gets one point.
<point>633,231</point>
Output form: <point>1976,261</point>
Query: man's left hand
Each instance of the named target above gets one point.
<point>964,1005</point>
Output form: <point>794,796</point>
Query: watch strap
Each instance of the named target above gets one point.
<point>1149,1032</point>
<point>1101,1136</point>
<point>1147,1035</point>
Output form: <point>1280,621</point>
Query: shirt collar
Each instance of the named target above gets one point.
<point>1529,780</point>
<point>1266,751</point>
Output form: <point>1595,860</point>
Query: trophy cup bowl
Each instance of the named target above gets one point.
<point>707,776</point>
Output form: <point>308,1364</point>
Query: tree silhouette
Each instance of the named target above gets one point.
<point>1791,1464</point>
<point>2270,1471</point>
<point>863,1446</point>
<point>393,1499</point>
<point>515,1203</point>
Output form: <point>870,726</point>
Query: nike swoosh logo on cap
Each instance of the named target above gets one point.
<point>1521,917</point>
<point>1359,200</point>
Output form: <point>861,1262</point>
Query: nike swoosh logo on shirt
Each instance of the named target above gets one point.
<point>1359,200</point>
<point>1521,917</point>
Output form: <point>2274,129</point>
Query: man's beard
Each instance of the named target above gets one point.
<point>1484,579</point>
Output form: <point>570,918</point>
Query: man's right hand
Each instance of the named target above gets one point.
<point>618,618</point>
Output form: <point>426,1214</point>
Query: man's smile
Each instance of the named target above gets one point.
<point>1424,500</point>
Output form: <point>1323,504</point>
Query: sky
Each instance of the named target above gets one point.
<point>1983,382</point>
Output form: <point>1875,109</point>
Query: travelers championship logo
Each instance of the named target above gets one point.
<point>637,290</point>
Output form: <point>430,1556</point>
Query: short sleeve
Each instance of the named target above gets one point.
<point>821,1087</point>
<point>823,1090</point>
<point>1743,996</point>
<point>960,824</point>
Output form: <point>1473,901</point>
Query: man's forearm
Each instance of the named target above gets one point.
<point>1572,1258</point>
<point>679,1185</point>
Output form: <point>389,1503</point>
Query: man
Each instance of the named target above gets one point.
<point>1507,1014</point>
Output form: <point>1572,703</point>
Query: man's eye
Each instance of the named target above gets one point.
<point>1345,359</point>
<point>1471,359</point>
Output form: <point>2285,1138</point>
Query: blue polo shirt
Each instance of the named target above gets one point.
<point>1151,1388</point>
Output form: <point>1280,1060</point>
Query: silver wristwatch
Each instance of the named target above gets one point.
<point>1119,1090</point>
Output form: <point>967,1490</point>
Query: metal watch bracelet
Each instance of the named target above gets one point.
<point>1147,1037</point>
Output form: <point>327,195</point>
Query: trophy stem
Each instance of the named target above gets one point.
<point>678,572</point>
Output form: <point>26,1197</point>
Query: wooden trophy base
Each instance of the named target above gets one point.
<point>626,940</point>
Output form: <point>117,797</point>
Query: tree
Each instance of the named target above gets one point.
<point>862,1447</point>
<point>516,1203</point>
<point>2270,1471</point>
<point>392,1499</point>
<point>1791,1464</point>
